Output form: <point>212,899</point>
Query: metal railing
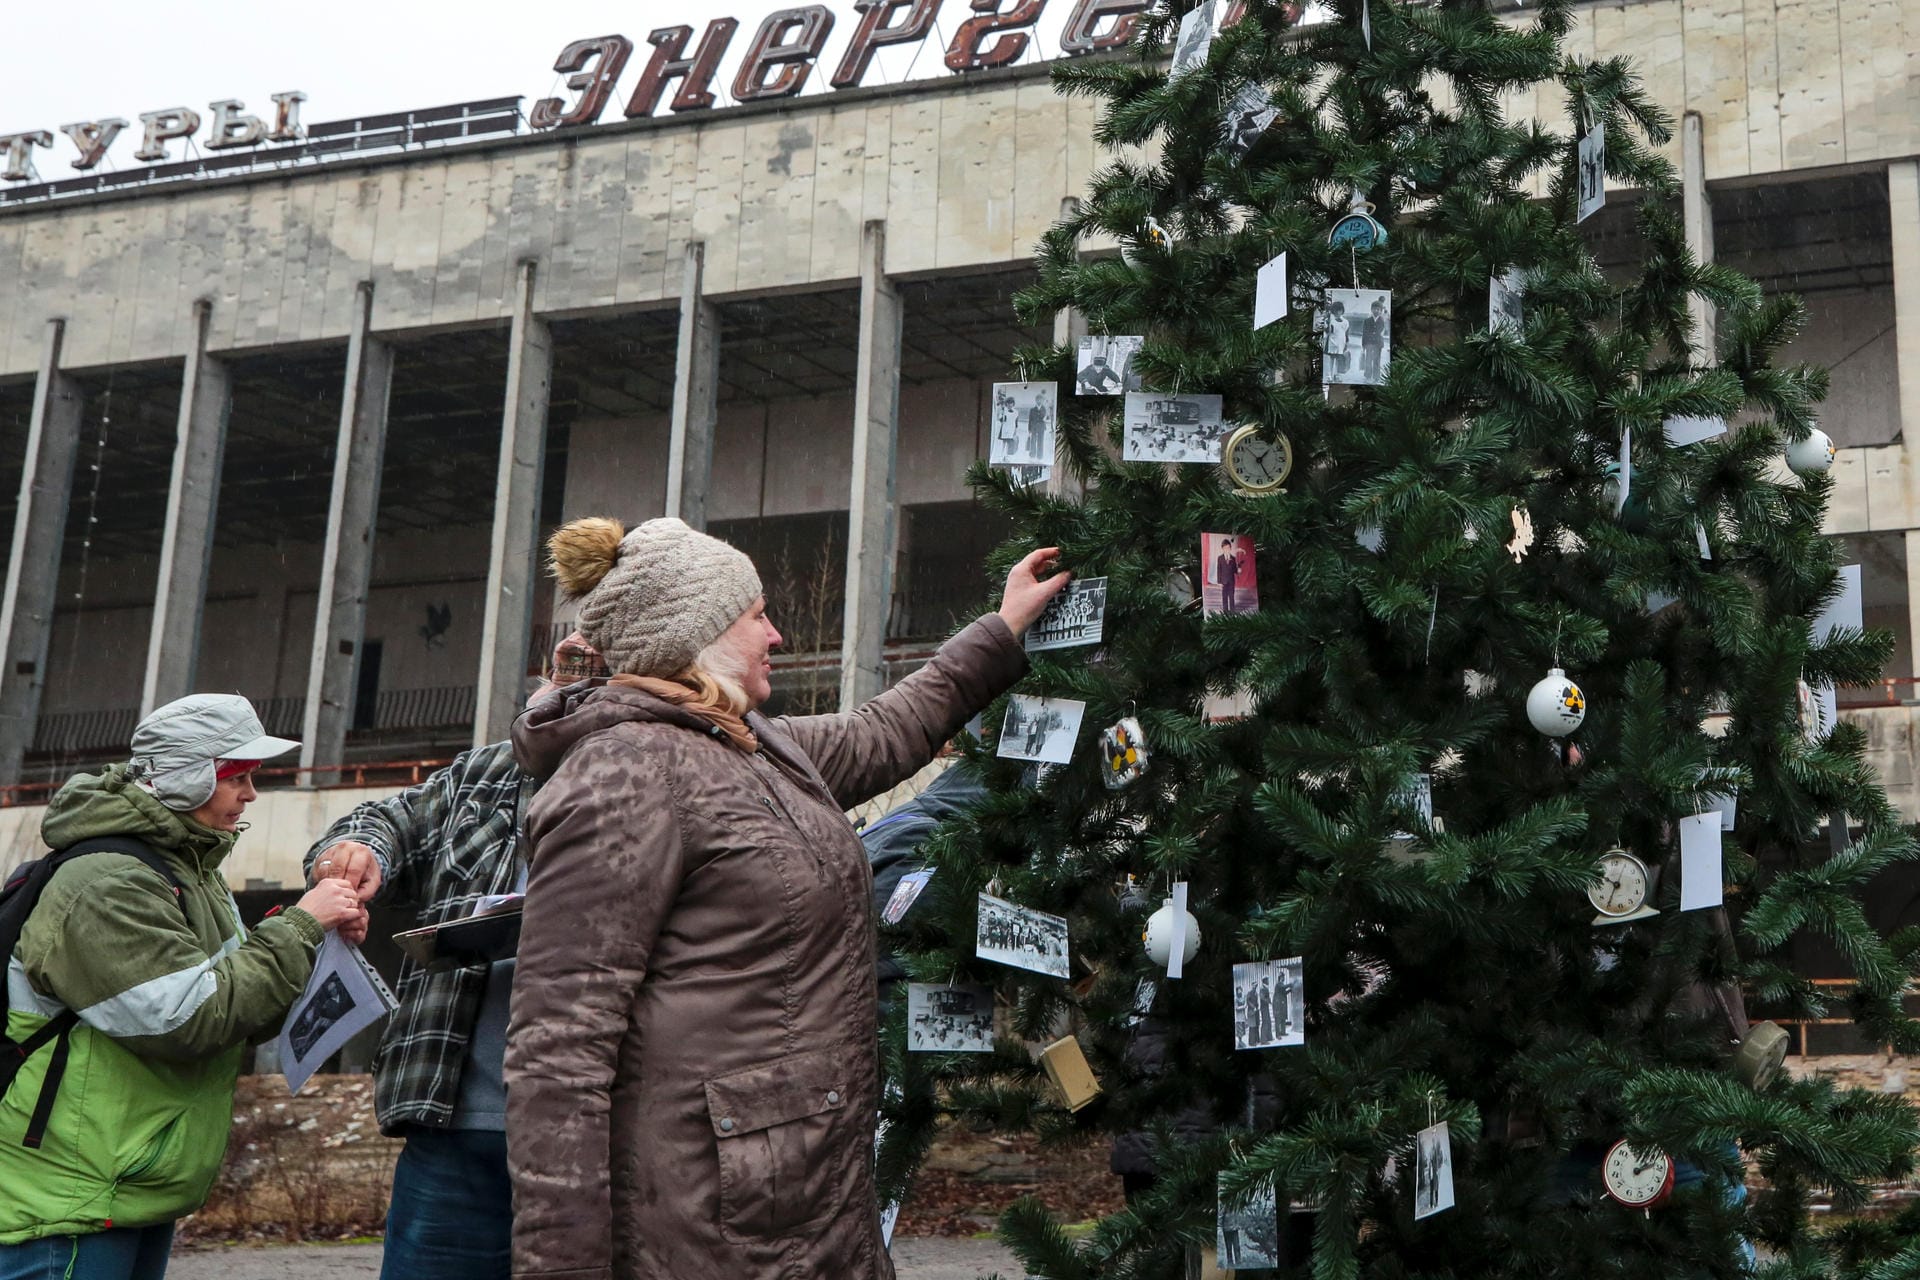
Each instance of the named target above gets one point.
<point>489,117</point>
<point>1798,1027</point>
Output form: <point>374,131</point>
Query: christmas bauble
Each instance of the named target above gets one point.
<point>1159,936</point>
<point>1812,456</point>
<point>1556,706</point>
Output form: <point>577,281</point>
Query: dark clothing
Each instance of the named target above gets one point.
<point>442,846</point>
<point>451,1213</point>
<point>893,842</point>
<point>691,1076</point>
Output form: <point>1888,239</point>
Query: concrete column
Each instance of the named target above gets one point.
<point>39,527</point>
<point>1903,199</point>
<point>870,514</point>
<point>1913,602</point>
<point>696,397</point>
<point>1696,211</point>
<point>513,564</point>
<point>346,565</point>
<point>186,541</point>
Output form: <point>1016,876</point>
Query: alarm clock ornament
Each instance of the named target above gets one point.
<point>1555,705</point>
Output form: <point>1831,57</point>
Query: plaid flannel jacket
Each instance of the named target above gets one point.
<point>442,846</point>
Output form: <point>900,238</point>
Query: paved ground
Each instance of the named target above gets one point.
<point>915,1258</point>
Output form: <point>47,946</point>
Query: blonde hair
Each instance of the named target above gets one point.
<point>715,678</point>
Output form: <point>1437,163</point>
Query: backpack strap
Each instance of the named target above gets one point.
<point>132,848</point>
<point>58,1030</point>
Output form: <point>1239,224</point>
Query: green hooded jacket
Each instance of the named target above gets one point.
<point>168,999</point>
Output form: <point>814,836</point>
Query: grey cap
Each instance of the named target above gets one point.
<point>175,748</point>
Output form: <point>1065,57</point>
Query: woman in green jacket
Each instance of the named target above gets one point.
<point>169,989</point>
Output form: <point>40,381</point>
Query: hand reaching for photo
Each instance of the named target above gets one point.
<point>1028,594</point>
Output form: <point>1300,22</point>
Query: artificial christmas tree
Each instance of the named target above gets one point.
<point>1499,460</point>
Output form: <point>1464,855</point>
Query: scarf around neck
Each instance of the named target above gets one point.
<point>731,726</point>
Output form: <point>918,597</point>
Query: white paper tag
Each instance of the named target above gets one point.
<point>1844,610</point>
<point>1177,948</point>
<point>1700,869</point>
<point>1270,293</point>
<point>1685,429</point>
<point>1700,536</point>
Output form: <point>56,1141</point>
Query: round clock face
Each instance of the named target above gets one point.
<point>1358,229</point>
<point>1255,465</point>
<point>1637,1179</point>
<point>1621,889</point>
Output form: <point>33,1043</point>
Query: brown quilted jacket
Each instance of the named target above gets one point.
<point>691,1064</point>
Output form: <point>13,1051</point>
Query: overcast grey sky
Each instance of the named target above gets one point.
<point>361,57</point>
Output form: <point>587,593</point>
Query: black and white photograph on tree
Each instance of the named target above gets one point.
<point>1196,37</point>
<point>1020,431</point>
<point>1590,154</point>
<point>1249,112</point>
<point>1356,333</point>
<point>1010,934</point>
<point>1269,1009</point>
<point>1106,366</point>
<point>1232,579</point>
<point>1504,294</point>
<point>1162,427</point>
<point>1432,1172</point>
<point>1248,1237</point>
<point>1078,615</point>
<point>1040,728</point>
<point>949,1019</point>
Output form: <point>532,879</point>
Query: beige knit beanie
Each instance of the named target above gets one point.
<point>651,599</point>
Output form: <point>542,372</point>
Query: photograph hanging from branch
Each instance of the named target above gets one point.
<point>1356,333</point>
<point>1249,112</point>
<point>1504,294</point>
<point>1591,156</point>
<point>905,894</point>
<point>949,1019</point>
<point>1433,1172</point>
<point>1163,427</point>
<point>1078,615</point>
<point>1248,1238</point>
<point>1269,1008</point>
<point>1040,728</point>
<point>1021,430</point>
<point>1232,580</point>
<point>1195,38</point>
<point>1010,934</point>
<point>1106,364</point>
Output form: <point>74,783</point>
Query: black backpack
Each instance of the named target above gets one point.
<point>18,897</point>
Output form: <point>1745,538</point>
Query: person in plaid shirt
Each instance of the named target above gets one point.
<point>441,847</point>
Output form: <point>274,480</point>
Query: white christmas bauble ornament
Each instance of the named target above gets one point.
<point>1159,936</point>
<point>1556,706</point>
<point>1812,456</point>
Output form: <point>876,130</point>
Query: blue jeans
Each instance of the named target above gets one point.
<point>121,1253</point>
<point>451,1216</point>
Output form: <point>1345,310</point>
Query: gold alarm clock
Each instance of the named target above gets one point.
<point>1256,466</point>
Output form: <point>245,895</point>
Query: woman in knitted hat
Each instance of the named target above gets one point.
<point>691,1073</point>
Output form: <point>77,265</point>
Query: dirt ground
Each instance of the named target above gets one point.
<point>315,1168</point>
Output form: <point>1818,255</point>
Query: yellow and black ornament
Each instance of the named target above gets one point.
<point>1123,754</point>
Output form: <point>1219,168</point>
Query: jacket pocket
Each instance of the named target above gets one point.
<point>778,1129</point>
<point>158,1158</point>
